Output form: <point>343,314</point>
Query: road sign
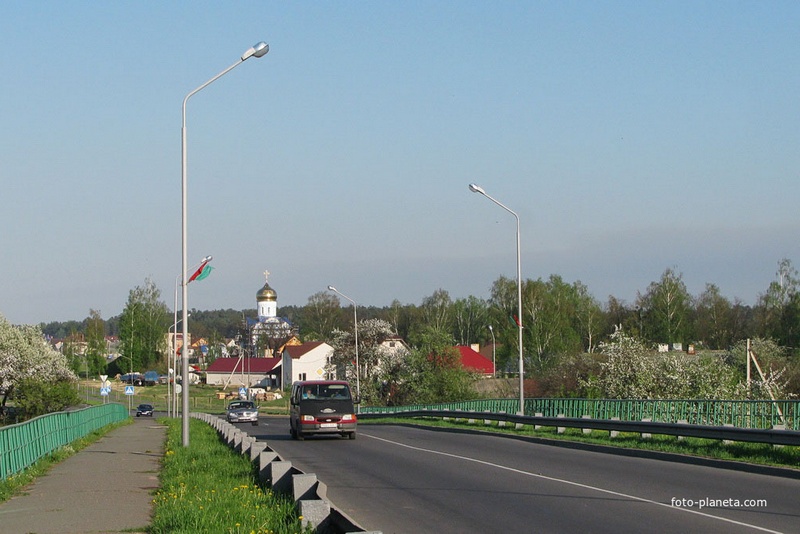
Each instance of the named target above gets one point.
<point>243,392</point>
<point>128,390</point>
<point>105,391</point>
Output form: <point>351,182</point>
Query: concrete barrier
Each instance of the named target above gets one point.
<point>309,494</point>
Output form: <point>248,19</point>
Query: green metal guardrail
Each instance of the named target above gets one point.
<point>738,413</point>
<point>24,443</point>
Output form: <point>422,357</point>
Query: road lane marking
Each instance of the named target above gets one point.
<point>571,483</point>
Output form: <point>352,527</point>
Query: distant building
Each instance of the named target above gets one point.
<point>306,361</point>
<point>474,361</point>
<point>268,333</point>
<point>247,372</point>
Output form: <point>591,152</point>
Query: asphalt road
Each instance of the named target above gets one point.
<point>397,478</point>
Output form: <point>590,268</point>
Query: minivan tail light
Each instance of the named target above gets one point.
<point>348,417</point>
<point>308,418</point>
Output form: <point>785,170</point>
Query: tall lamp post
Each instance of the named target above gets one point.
<point>478,189</point>
<point>494,358</point>
<point>258,50</point>
<point>355,333</point>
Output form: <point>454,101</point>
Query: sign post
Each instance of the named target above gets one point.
<point>129,391</point>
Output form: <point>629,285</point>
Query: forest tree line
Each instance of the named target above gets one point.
<point>561,320</point>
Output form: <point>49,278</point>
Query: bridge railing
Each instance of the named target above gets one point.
<point>24,443</point>
<point>762,414</point>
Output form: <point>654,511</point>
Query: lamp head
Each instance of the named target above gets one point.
<point>331,288</point>
<point>258,50</point>
<point>207,259</point>
<point>476,189</point>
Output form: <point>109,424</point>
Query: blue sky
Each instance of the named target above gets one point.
<point>630,137</point>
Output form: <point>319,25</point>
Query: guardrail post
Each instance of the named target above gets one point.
<point>586,430</point>
<point>487,422</point>
<point>646,435</point>
<point>778,427</point>
<point>561,429</point>
<point>538,427</point>
<point>728,441</point>
<point>501,423</point>
<point>682,422</point>
<point>614,433</point>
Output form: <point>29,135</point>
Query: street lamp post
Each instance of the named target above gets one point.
<point>355,333</point>
<point>258,50</point>
<point>478,189</point>
<point>494,358</point>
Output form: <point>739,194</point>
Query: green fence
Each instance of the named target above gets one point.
<point>738,413</point>
<point>24,443</point>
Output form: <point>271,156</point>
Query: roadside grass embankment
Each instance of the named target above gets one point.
<point>749,453</point>
<point>207,487</point>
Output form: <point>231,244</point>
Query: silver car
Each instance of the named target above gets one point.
<point>243,412</point>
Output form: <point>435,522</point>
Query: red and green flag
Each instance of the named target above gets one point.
<point>202,272</point>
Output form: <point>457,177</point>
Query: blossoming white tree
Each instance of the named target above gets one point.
<point>26,355</point>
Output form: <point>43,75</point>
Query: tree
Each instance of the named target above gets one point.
<point>143,325</point>
<point>502,311</point>
<point>26,358</point>
<point>320,315</point>
<point>632,371</point>
<point>437,310</point>
<point>779,307</point>
<point>588,316</point>
<point>618,314</point>
<point>665,308</point>
<point>431,373</point>
<point>372,357</point>
<point>39,397</point>
<point>95,344</point>
<point>714,319</point>
<point>469,319</point>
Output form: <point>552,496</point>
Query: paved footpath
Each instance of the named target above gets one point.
<point>107,487</point>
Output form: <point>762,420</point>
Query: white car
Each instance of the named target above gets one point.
<point>243,412</point>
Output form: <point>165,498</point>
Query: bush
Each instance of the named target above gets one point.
<point>37,397</point>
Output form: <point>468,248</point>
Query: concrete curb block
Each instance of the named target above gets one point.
<point>309,494</point>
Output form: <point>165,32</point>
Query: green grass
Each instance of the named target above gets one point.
<point>16,483</point>
<point>751,453</point>
<point>207,487</point>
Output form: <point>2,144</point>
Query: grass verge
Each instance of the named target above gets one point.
<point>16,483</point>
<point>207,487</point>
<point>750,453</point>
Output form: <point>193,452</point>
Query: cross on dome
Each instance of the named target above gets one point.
<point>266,276</point>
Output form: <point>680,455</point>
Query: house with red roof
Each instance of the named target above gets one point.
<point>247,372</point>
<point>474,361</point>
<point>306,361</point>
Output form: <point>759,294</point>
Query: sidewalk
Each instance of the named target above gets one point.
<point>106,487</point>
